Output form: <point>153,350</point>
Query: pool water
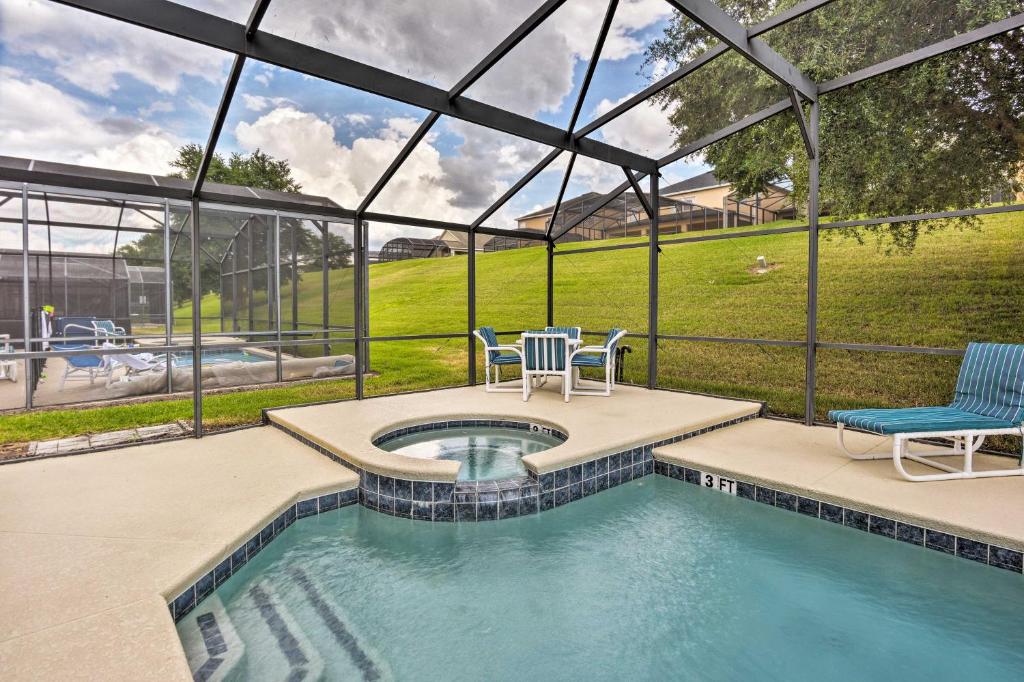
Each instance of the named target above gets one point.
<point>487,453</point>
<point>217,357</point>
<point>652,580</point>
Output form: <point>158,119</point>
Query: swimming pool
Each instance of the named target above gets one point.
<point>650,580</point>
<point>486,453</point>
<point>217,357</point>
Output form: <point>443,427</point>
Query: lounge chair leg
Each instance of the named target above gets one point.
<point>857,455</point>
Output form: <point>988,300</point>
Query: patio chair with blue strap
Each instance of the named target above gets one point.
<point>571,332</point>
<point>497,356</point>
<point>89,364</point>
<point>989,401</point>
<point>546,354</point>
<point>109,330</point>
<point>597,356</point>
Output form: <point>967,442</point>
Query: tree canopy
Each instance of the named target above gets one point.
<point>258,169</point>
<point>947,133</point>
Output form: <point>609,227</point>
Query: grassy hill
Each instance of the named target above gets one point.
<point>957,284</point>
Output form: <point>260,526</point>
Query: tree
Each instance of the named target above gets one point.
<point>259,169</point>
<point>222,231</point>
<point>945,134</point>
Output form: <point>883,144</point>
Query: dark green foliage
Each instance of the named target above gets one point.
<point>944,134</point>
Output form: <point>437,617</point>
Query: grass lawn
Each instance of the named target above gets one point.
<point>958,284</point>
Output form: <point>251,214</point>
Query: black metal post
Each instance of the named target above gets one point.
<point>551,283</point>
<point>197,328</point>
<point>652,288</point>
<point>325,284</point>
<point>814,170</point>
<point>358,251</point>
<point>248,277</point>
<point>26,301</point>
<point>276,300</point>
<point>295,276</point>
<point>471,303</point>
<point>168,300</point>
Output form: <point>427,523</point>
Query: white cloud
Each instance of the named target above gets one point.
<point>159,106</point>
<point>439,42</point>
<point>359,119</point>
<point>260,103</point>
<point>39,121</point>
<point>92,52</point>
<point>430,185</point>
<point>644,129</point>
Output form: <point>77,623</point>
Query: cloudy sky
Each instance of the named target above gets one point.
<point>83,89</point>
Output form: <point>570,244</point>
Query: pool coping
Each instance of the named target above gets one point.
<point>895,529</point>
<point>232,561</point>
<point>445,501</point>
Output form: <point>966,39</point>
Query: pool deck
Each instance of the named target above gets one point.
<point>93,546</point>
<point>808,462</point>
<point>595,424</point>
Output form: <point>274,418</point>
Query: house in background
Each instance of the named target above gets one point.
<point>702,202</point>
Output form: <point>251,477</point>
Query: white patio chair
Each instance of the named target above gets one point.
<point>597,356</point>
<point>496,356</point>
<point>8,368</point>
<point>546,354</point>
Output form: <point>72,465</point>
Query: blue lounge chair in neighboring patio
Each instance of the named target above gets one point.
<point>989,401</point>
<point>107,328</point>
<point>597,356</point>
<point>497,356</point>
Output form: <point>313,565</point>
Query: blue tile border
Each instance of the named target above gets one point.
<point>191,596</point>
<point>509,498</point>
<point>965,548</point>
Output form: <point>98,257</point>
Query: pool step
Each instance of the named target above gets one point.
<point>212,645</point>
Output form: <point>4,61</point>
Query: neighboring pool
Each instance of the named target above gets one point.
<point>216,357</point>
<point>486,452</point>
<point>652,580</point>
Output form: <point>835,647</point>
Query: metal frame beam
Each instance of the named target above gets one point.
<point>595,56</point>
<point>648,208</point>
<point>506,46</point>
<point>561,194</point>
<point>910,58</point>
<point>513,39</point>
<point>251,26</point>
<point>201,27</point>
<point>602,202</point>
<point>798,112</point>
<point>514,189</point>
<point>755,50</point>
<point>814,167</point>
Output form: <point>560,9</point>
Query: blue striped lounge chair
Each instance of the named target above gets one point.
<point>597,356</point>
<point>497,356</point>
<point>989,401</point>
<point>546,354</point>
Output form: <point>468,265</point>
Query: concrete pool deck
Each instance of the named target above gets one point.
<point>93,546</point>
<point>594,424</point>
<point>807,462</point>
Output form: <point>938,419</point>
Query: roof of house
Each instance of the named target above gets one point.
<point>567,203</point>
<point>460,240</point>
<point>702,181</point>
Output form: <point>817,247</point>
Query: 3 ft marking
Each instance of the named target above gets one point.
<point>720,483</point>
<point>537,428</point>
